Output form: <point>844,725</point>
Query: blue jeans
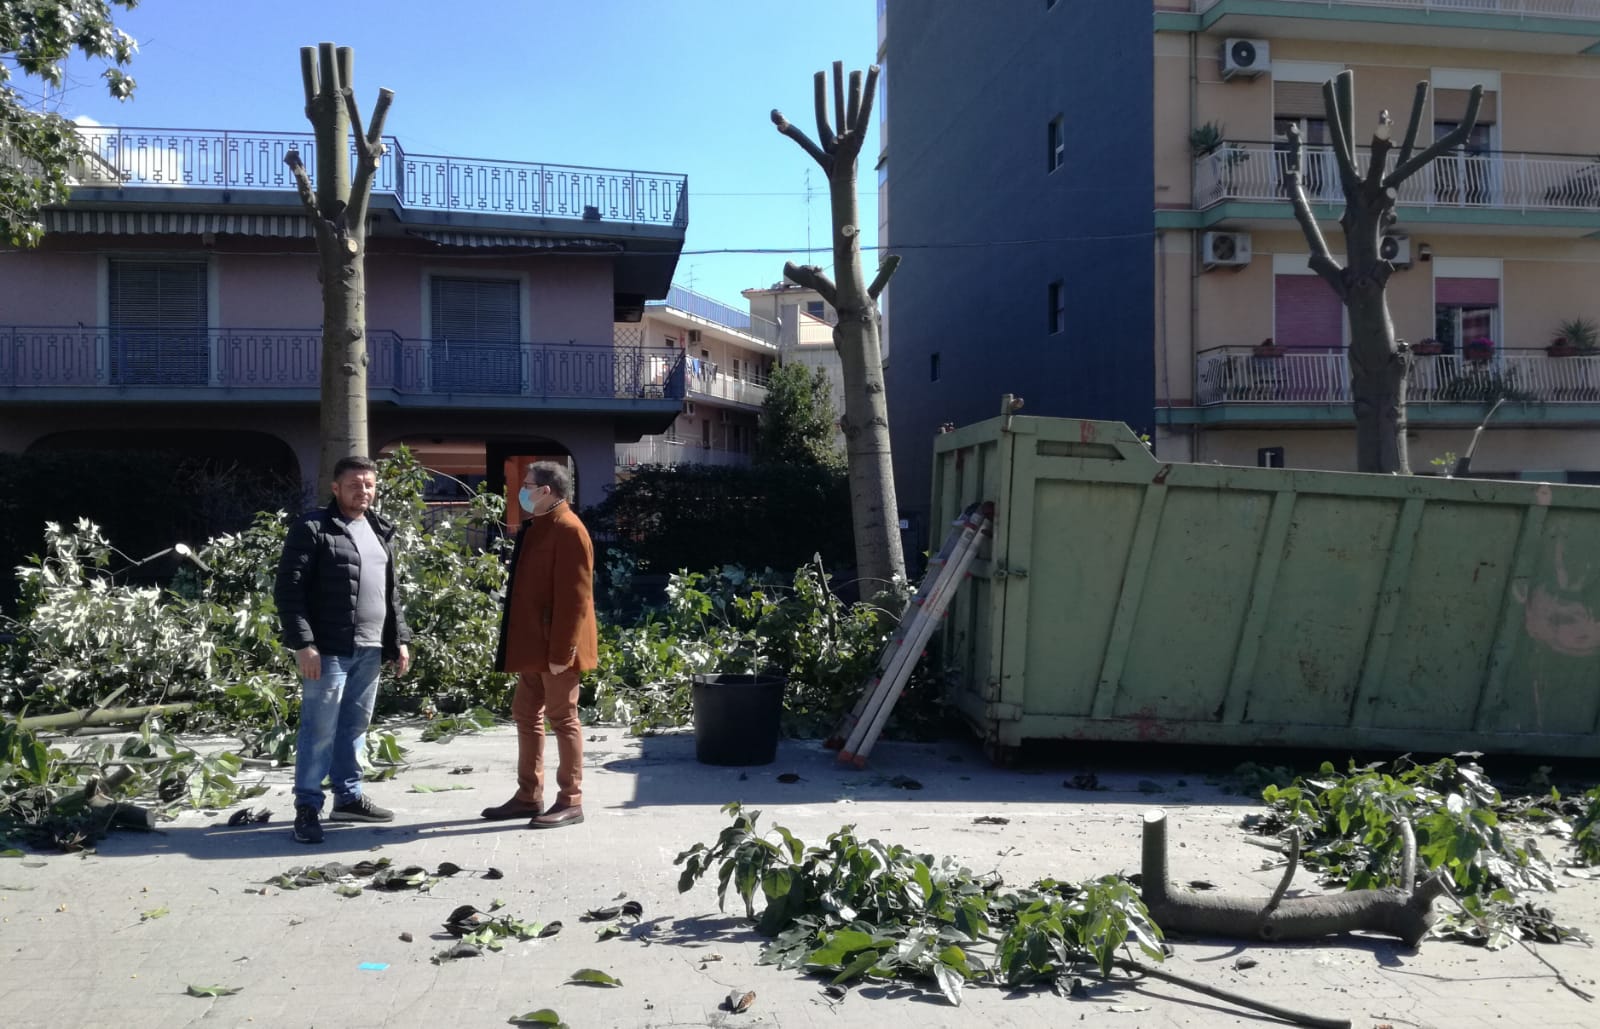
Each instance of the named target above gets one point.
<point>334,713</point>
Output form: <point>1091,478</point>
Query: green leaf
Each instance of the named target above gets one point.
<point>593,977</point>
<point>544,1016</point>
<point>213,991</point>
<point>950,983</point>
<point>346,890</point>
<point>153,913</point>
<point>11,853</point>
<point>857,967</point>
<point>420,788</point>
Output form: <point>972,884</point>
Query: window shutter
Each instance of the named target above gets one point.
<point>1450,105</point>
<point>1307,313</point>
<point>1298,100</point>
<point>158,295</point>
<point>481,310</point>
<point>1466,292</point>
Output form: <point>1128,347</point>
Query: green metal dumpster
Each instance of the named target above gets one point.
<point>1125,598</point>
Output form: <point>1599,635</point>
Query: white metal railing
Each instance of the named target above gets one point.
<point>1576,10</point>
<point>720,385</point>
<point>1514,181</point>
<point>669,449</point>
<point>1236,375</point>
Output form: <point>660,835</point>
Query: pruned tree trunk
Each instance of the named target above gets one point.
<point>338,210</point>
<point>865,423</point>
<point>1379,365</point>
<point>1405,912</point>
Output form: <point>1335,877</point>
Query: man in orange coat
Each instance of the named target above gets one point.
<point>548,636</point>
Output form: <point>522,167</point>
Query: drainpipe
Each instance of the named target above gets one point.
<point>1196,433</point>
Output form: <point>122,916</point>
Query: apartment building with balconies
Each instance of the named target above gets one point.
<point>1494,248</point>
<point>174,305</point>
<point>725,355</point>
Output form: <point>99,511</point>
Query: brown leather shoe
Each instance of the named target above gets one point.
<point>513,808</point>
<point>558,816</point>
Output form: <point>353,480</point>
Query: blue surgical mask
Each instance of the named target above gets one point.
<point>525,497</point>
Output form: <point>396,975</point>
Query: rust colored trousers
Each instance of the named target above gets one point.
<point>540,696</point>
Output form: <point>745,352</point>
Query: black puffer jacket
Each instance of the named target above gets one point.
<point>319,577</point>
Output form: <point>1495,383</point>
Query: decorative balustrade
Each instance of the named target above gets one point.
<point>1577,10</point>
<point>127,156</point>
<point>1231,375</point>
<point>1512,181</point>
<point>53,357</point>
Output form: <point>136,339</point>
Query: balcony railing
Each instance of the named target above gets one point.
<point>1577,10</point>
<point>671,450</point>
<point>124,156</point>
<point>1235,375</point>
<point>1512,181</point>
<point>56,357</point>
<point>718,385</point>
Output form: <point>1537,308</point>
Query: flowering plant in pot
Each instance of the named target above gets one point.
<point>1428,347</point>
<point>1478,349</point>
<point>1267,348</point>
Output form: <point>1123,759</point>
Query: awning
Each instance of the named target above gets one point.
<point>491,239</point>
<point>160,223</point>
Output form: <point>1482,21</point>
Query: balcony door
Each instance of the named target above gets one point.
<point>1468,176</point>
<point>158,314</point>
<point>477,335</point>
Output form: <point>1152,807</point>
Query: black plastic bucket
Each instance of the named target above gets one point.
<point>737,718</point>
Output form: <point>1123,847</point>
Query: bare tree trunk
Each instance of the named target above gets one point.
<point>1379,364</point>
<point>338,210</point>
<point>865,423</point>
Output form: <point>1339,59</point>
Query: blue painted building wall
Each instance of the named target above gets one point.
<point>984,226</point>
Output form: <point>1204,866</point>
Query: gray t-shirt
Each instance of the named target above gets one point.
<point>370,603</point>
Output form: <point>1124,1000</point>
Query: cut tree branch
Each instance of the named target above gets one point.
<point>838,97</point>
<point>1417,104</point>
<point>1322,261</point>
<point>302,184</point>
<point>819,84</point>
<point>1288,874</point>
<point>1287,1014</point>
<point>852,115</point>
<point>885,272</point>
<point>1452,139</point>
<point>869,90</point>
<point>99,716</point>
<point>1391,912</point>
<point>370,148</point>
<point>812,277</point>
<point>1341,138</point>
<point>798,134</point>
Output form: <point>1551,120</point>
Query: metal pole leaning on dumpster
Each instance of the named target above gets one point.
<point>866,734</point>
<point>904,652</point>
<point>938,568</point>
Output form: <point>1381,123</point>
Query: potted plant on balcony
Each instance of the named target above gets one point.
<point>1574,337</point>
<point>1478,349</point>
<point>1267,348</point>
<point>1428,347</point>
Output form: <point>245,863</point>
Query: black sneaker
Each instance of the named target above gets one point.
<point>360,809</point>
<point>307,826</point>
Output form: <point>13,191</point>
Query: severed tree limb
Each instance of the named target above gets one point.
<point>853,111</point>
<point>1391,912</point>
<point>885,272</point>
<point>1340,134</point>
<point>798,134</point>
<point>1288,874</point>
<point>95,796</point>
<point>812,277</point>
<point>1287,1014</point>
<point>838,97</point>
<point>99,716</point>
<point>302,184</point>
<point>370,148</point>
<point>1449,141</point>
<point>1408,874</point>
<point>1322,261</point>
<point>1418,102</point>
<point>819,83</point>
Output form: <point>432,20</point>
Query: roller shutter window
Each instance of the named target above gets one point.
<point>158,315</point>
<point>477,335</point>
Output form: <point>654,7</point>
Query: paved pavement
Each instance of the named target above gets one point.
<point>75,952</point>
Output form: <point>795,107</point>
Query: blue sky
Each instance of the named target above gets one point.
<point>658,85</point>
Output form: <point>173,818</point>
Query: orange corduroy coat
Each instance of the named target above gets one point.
<point>549,613</point>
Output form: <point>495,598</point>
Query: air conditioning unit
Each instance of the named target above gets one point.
<point>1225,249</point>
<point>694,335</point>
<point>1396,250</point>
<point>1245,58</point>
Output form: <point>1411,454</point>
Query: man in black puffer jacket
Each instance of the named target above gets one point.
<point>336,599</point>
